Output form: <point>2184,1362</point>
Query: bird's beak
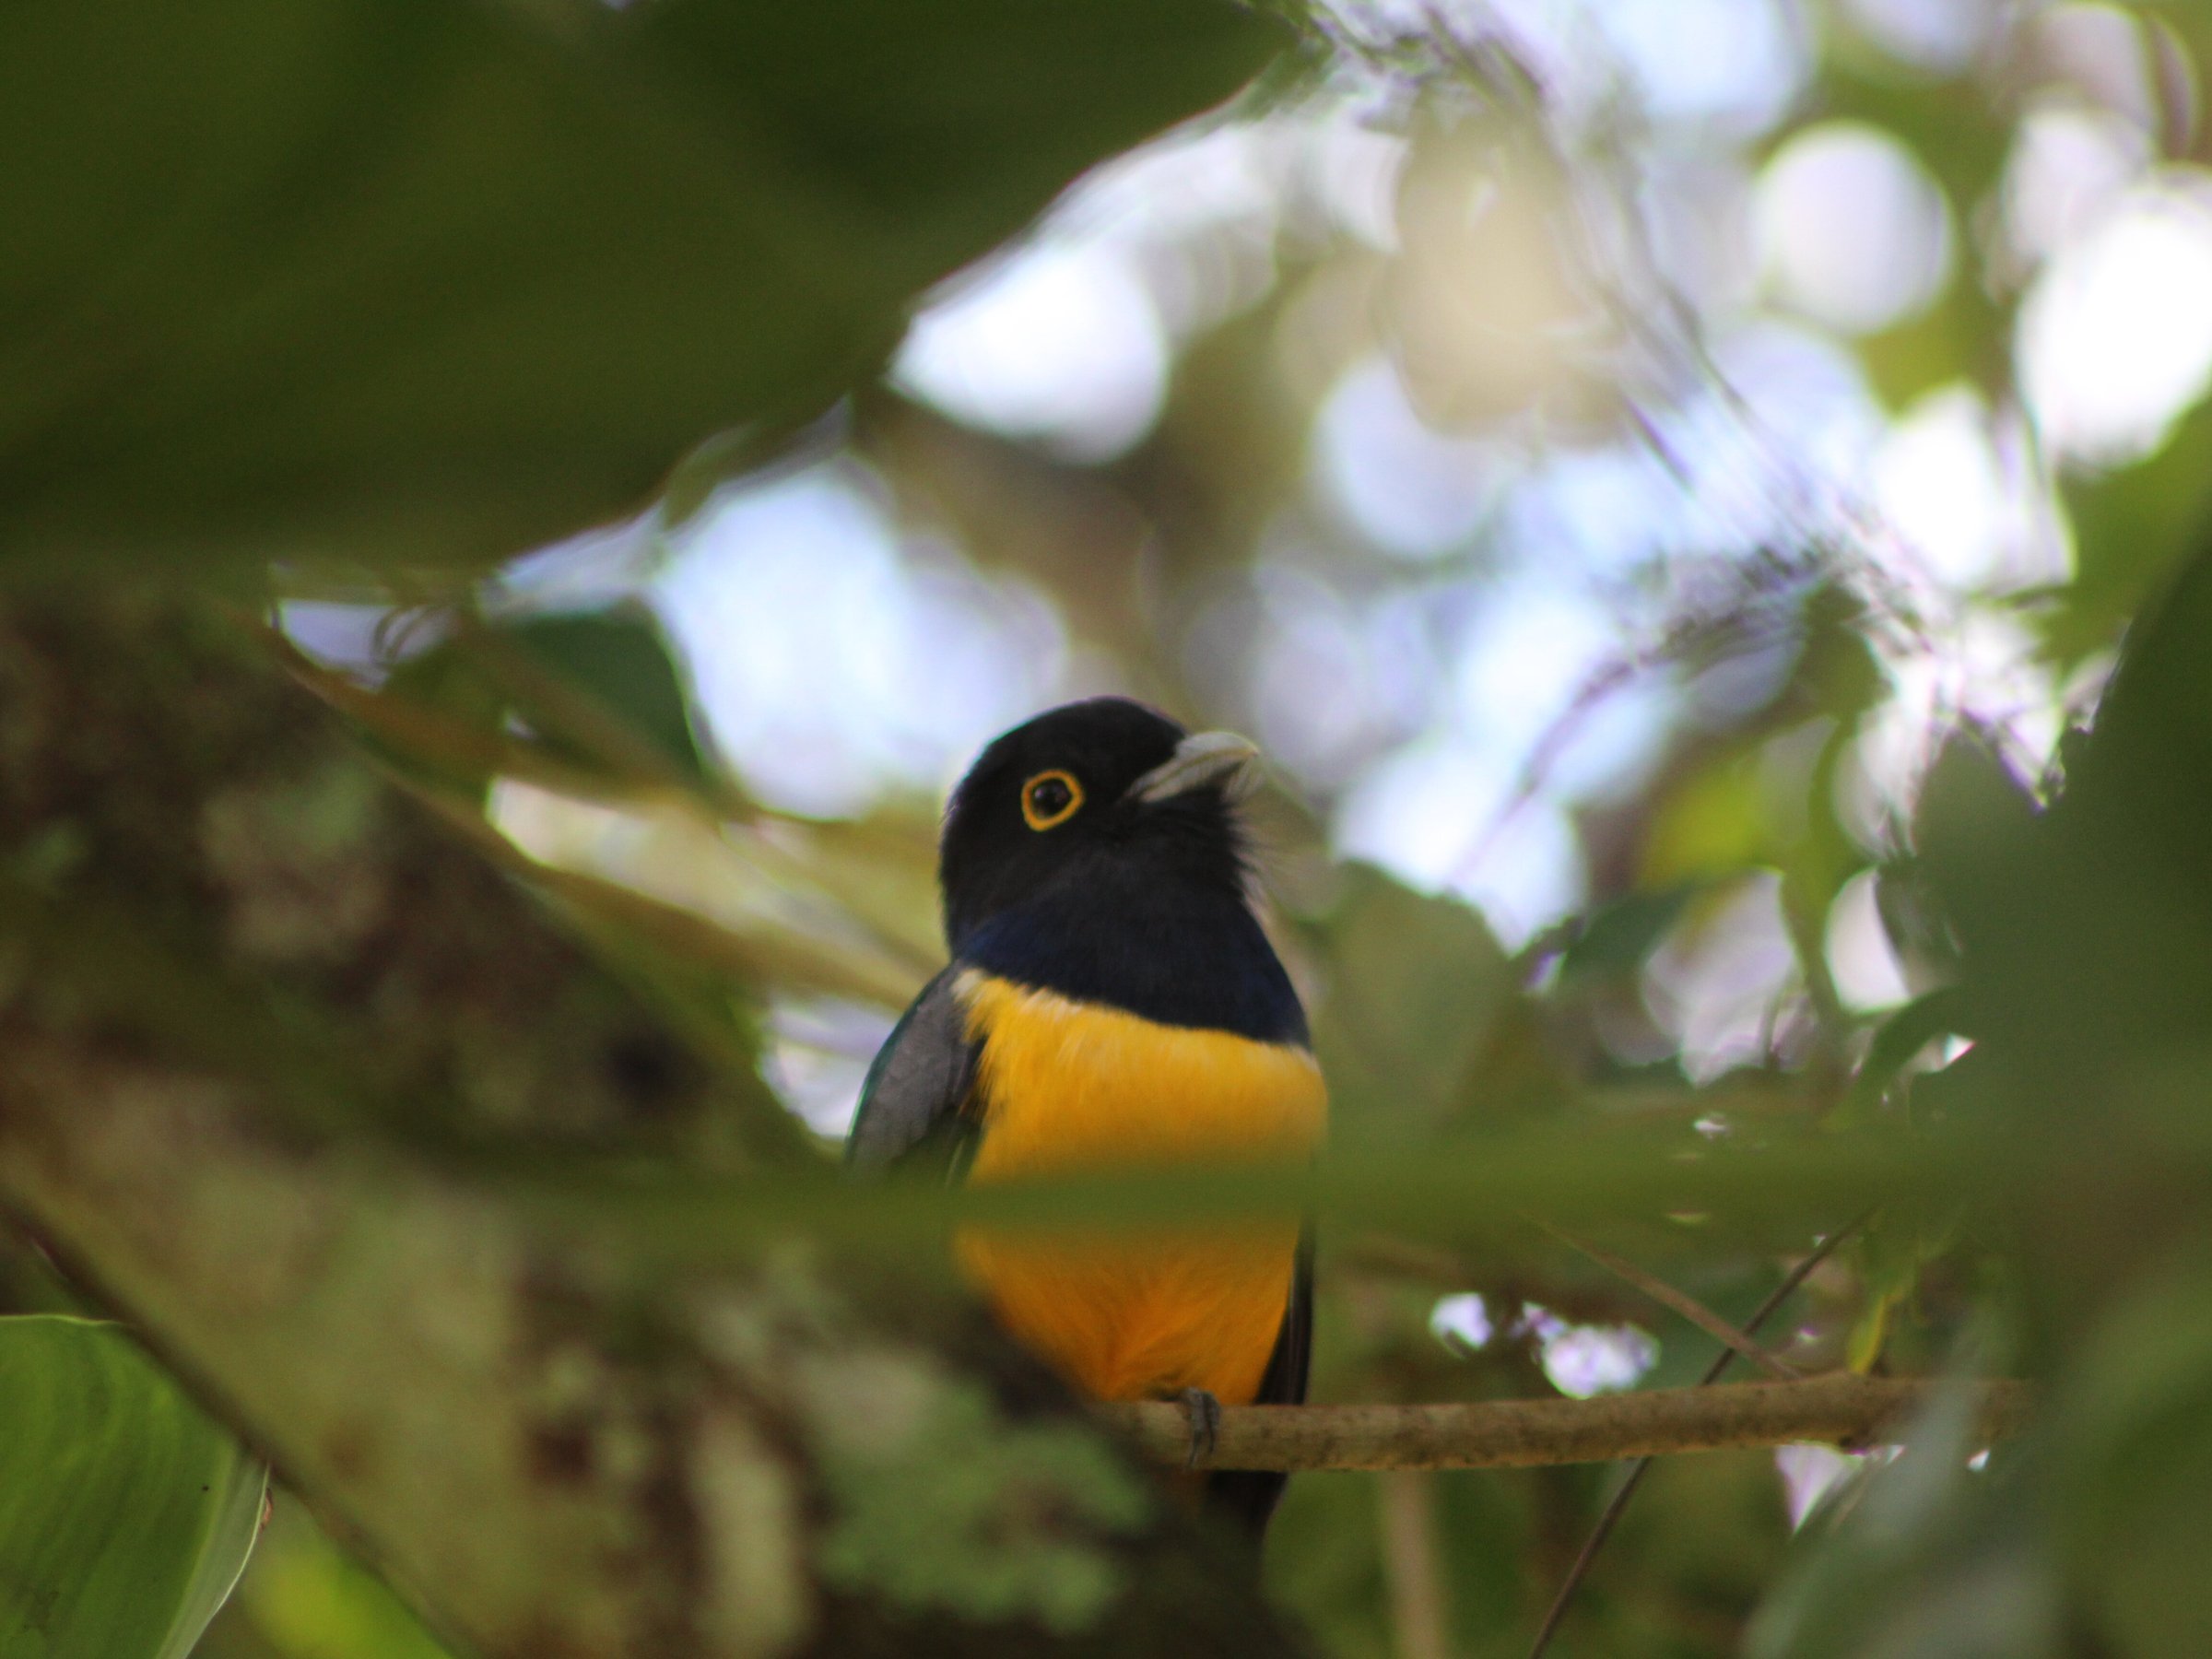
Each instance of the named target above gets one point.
<point>1203,757</point>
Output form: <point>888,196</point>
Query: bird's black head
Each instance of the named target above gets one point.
<point>1099,797</point>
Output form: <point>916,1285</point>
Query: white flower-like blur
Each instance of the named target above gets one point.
<point>2115,337</point>
<point>1851,229</point>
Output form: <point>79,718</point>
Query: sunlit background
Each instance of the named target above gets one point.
<point>1414,443</point>
<point>1482,424</point>
<point>1464,558</point>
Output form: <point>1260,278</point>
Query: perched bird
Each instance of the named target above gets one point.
<point>1113,1002</point>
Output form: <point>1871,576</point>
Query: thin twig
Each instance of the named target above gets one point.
<point>1604,1529</point>
<point>1689,1307</point>
<point>1840,1408</point>
<point>1399,1256</point>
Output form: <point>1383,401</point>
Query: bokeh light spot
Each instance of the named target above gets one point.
<point>1853,230</point>
<point>1060,344</point>
<point>2115,337</point>
<point>1408,489</point>
<point>830,661</point>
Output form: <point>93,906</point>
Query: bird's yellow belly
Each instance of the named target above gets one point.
<point>1067,1086</point>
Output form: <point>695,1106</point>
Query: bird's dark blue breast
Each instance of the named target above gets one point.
<point>1163,951</point>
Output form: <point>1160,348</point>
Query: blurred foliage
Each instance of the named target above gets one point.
<point>389,281</point>
<point>436,284</point>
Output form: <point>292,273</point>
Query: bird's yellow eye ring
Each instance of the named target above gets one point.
<point>1050,799</point>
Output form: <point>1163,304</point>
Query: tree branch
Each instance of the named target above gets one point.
<point>1501,1434</point>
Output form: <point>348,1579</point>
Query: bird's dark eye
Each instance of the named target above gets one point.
<point>1050,799</point>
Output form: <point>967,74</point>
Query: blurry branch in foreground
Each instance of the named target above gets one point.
<point>1850,1411</point>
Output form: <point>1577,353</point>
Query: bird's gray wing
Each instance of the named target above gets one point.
<point>914,1104</point>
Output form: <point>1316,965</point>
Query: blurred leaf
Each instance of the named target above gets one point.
<point>2084,926</point>
<point>1896,1041</point>
<point>1615,940</point>
<point>1705,1535</point>
<point>1711,824</point>
<point>2084,975</point>
<point>1763,793</point>
<point>2135,1493</point>
<point>1324,1562</point>
<point>400,280</point>
<point>619,660</point>
<point>1836,673</point>
<point>125,1514</point>
<point>2132,528</point>
<point>1416,985</point>
<point>1891,1249</point>
<point>760,905</point>
<point>597,693</point>
<point>1921,1558</point>
<point>1485,1525</point>
<point>680,938</point>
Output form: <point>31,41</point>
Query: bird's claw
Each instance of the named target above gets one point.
<point>1205,1412</point>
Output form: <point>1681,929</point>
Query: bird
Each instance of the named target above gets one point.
<point>1112,1001</point>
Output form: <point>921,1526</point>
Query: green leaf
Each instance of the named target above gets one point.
<point>2083,926</point>
<point>1616,939</point>
<point>2135,1466</point>
<point>416,281</point>
<point>595,696</point>
<point>619,661</point>
<point>2133,527</point>
<point>1896,1041</point>
<point>1712,823</point>
<point>1416,984</point>
<point>125,1514</point>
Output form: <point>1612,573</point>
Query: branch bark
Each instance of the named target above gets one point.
<point>260,1022</point>
<point>1850,1411</point>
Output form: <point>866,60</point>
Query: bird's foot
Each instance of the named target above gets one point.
<point>1204,1412</point>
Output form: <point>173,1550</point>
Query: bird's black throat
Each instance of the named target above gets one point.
<point>1176,952</point>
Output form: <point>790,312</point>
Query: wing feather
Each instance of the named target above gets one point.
<point>914,1103</point>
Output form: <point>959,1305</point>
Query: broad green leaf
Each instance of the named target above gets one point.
<point>1711,824</point>
<point>1416,984</point>
<point>420,281</point>
<point>2135,1466</point>
<point>2084,926</point>
<point>125,1514</point>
